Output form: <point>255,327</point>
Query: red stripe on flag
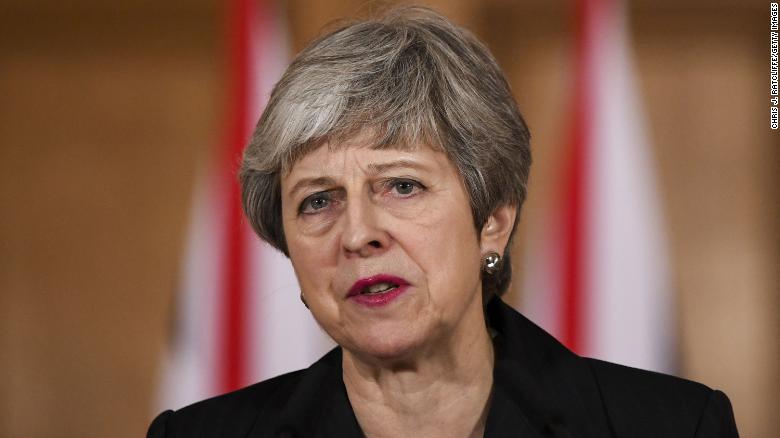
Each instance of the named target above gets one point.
<point>575,214</point>
<point>232,338</point>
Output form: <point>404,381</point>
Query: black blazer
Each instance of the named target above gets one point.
<point>540,389</point>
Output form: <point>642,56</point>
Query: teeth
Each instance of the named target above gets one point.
<point>378,288</point>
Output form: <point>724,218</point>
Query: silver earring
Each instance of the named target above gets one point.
<point>490,262</point>
<point>303,300</point>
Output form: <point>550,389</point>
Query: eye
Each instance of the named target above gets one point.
<point>405,187</point>
<point>315,202</point>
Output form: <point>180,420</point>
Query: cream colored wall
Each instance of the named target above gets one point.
<point>107,108</point>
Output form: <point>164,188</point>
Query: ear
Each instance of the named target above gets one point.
<point>495,233</point>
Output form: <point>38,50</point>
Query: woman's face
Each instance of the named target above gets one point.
<point>359,221</point>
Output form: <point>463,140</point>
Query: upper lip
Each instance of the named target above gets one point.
<point>375,279</point>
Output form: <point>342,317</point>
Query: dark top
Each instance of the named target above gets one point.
<point>540,389</point>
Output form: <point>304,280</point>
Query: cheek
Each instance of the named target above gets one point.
<point>457,261</point>
<point>447,250</point>
<point>313,260</point>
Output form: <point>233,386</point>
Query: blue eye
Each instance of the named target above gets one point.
<point>315,202</point>
<point>406,187</point>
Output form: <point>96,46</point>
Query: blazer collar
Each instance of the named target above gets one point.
<point>317,406</point>
<point>538,384</point>
<point>540,389</point>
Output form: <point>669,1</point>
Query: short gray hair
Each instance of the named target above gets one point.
<point>409,77</point>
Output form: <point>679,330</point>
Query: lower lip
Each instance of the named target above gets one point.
<point>378,300</point>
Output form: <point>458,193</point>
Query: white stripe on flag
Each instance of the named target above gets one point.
<point>630,313</point>
<point>627,312</point>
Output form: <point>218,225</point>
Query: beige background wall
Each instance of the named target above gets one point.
<point>106,109</point>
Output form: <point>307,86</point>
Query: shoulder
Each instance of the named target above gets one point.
<point>645,403</point>
<point>611,399</point>
<point>237,413</point>
<point>231,414</point>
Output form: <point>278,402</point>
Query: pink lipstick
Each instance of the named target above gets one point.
<point>377,290</point>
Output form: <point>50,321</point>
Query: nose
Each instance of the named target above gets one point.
<point>363,235</point>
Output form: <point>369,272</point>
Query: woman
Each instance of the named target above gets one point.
<point>390,166</point>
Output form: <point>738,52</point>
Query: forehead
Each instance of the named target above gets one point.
<point>358,155</point>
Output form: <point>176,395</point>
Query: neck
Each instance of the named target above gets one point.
<point>441,391</point>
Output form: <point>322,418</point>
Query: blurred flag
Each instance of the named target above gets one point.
<point>598,276</point>
<point>238,317</point>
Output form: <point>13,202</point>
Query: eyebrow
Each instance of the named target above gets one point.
<point>383,167</point>
<point>310,182</point>
<point>373,169</point>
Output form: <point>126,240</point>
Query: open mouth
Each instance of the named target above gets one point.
<point>376,285</point>
<point>378,288</point>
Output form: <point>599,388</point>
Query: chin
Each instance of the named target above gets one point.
<point>387,344</point>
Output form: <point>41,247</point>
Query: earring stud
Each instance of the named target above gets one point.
<point>490,262</point>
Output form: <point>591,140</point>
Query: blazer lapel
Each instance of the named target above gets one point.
<point>317,407</point>
<point>539,383</point>
<point>506,418</point>
<point>339,420</point>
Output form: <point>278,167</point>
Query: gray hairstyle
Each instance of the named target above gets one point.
<point>407,78</point>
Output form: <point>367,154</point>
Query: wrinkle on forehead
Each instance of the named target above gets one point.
<point>368,138</point>
<point>365,160</point>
